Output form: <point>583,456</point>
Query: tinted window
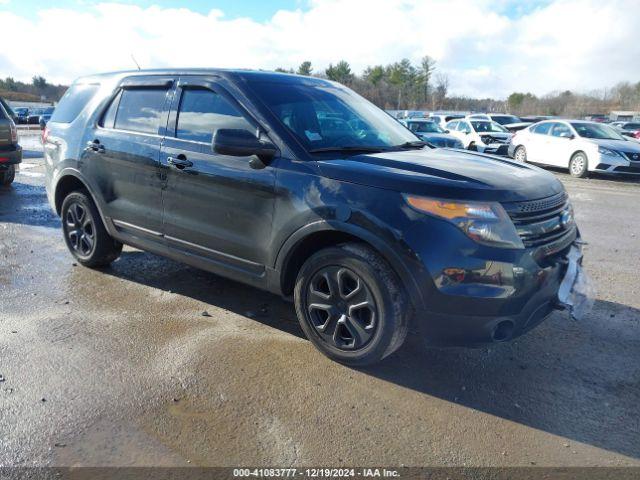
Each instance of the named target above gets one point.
<point>561,130</point>
<point>140,109</point>
<point>109,117</point>
<point>542,129</point>
<point>202,112</point>
<point>73,102</point>
<point>632,126</point>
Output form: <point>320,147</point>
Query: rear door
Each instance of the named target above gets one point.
<point>123,153</point>
<point>215,206</point>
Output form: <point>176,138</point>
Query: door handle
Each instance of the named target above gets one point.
<point>95,146</point>
<point>180,162</point>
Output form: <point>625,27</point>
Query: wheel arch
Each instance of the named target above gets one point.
<point>309,239</point>
<point>70,180</point>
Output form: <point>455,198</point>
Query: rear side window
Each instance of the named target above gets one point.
<point>140,109</point>
<point>73,102</point>
<point>203,111</point>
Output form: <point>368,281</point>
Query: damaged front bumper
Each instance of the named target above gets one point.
<point>577,292</point>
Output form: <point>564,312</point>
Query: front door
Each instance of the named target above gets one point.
<point>215,206</point>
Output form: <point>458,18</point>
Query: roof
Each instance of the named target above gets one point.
<point>222,72</point>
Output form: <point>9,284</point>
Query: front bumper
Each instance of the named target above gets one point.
<point>504,301</point>
<point>494,148</point>
<point>11,155</point>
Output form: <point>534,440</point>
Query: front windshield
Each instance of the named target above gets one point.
<point>323,116</point>
<point>488,127</point>
<point>597,131</point>
<point>425,127</point>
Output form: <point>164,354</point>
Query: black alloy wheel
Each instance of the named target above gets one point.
<point>341,308</point>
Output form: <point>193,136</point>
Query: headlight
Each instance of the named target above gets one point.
<point>486,223</point>
<point>607,151</point>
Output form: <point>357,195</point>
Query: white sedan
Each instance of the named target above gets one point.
<point>578,145</point>
<point>480,135</point>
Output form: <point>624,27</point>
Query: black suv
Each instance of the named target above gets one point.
<point>10,151</point>
<point>301,187</point>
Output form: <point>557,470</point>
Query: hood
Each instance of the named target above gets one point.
<point>618,145</point>
<point>445,174</point>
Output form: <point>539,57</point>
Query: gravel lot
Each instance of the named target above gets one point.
<point>122,367</point>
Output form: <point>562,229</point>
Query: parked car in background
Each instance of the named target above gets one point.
<point>536,118</point>
<point>402,114</point>
<point>628,129</point>
<point>510,122</point>
<point>579,145</point>
<point>232,172</point>
<point>442,118</point>
<point>10,151</point>
<point>480,135</point>
<point>22,114</point>
<point>431,132</point>
<point>40,116</point>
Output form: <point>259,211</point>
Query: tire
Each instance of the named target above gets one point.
<point>84,232</point>
<point>579,165</point>
<point>335,280</point>
<point>472,147</point>
<point>520,155</point>
<point>8,176</point>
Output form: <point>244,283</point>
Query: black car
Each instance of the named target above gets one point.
<point>22,115</point>
<point>10,151</point>
<point>299,186</point>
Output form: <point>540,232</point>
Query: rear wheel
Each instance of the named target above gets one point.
<point>84,232</point>
<point>8,176</point>
<point>472,146</point>
<point>520,154</point>
<point>351,305</point>
<point>578,165</point>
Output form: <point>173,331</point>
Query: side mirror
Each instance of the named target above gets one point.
<point>242,143</point>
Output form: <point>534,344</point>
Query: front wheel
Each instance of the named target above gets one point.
<point>520,154</point>
<point>351,305</point>
<point>8,176</point>
<point>578,165</point>
<point>84,232</point>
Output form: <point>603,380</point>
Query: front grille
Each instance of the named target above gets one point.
<point>632,156</point>
<point>546,223</point>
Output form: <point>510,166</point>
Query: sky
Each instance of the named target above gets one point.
<point>488,48</point>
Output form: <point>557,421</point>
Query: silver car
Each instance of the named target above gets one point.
<point>581,146</point>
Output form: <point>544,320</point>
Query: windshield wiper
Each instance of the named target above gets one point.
<point>414,144</point>
<point>349,148</point>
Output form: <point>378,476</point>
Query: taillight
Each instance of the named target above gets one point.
<point>637,134</point>
<point>14,133</point>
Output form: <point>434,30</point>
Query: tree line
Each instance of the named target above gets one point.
<point>405,86</point>
<point>38,90</point>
